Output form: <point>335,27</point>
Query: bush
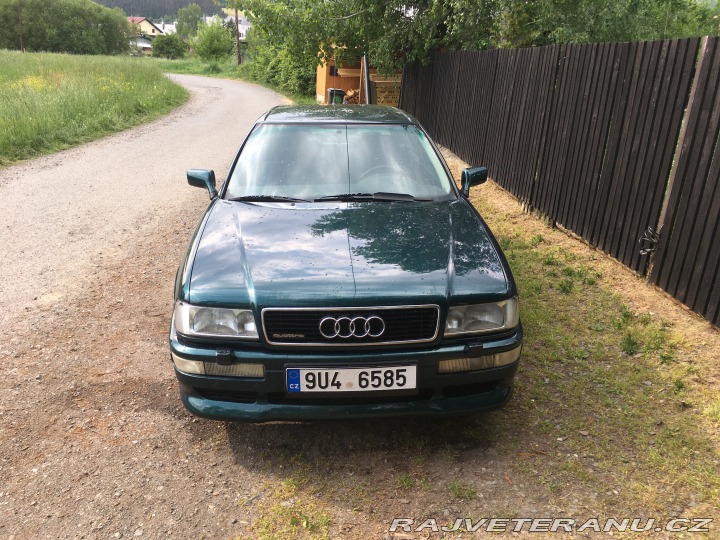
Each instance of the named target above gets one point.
<point>276,66</point>
<point>213,42</point>
<point>169,46</point>
<point>71,26</point>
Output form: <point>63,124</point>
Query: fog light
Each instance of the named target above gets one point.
<point>255,371</point>
<point>197,367</point>
<point>459,365</point>
<point>465,364</point>
<point>193,367</point>
<point>508,357</point>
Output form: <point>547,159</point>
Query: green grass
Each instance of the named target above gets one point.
<point>289,512</point>
<point>460,490</point>
<point>49,102</point>
<point>194,66</point>
<point>406,481</point>
<point>619,385</point>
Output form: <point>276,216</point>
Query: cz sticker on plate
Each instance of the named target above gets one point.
<point>370,379</point>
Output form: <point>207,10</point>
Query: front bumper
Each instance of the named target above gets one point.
<point>266,399</point>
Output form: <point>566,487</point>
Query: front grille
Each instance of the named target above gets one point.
<point>302,326</point>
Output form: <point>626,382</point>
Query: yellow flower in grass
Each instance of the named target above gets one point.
<point>38,84</point>
<point>31,82</point>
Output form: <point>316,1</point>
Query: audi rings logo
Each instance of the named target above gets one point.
<point>347,327</point>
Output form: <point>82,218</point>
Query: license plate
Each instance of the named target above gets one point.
<point>351,379</point>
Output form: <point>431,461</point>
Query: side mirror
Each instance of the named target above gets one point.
<point>472,177</point>
<point>203,179</point>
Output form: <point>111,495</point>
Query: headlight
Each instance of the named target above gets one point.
<point>482,318</point>
<point>214,322</point>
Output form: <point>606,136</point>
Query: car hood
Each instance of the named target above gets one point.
<point>370,253</point>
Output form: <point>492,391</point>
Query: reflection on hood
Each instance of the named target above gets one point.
<point>372,253</point>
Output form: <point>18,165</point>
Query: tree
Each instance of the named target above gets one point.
<point>520,25</point>
<point>169,46</point>
<point>301,33</point>
<point>213,41</point>
<point>189,19</point>
<point>393,32</point>
<point>70,26</point>
<point>278,66</point>
<point>590,21</point>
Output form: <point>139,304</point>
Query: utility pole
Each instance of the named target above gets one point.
<point>237,37</point>
<point>20,30</point>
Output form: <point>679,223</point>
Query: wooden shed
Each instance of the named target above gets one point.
<point>352,79</point>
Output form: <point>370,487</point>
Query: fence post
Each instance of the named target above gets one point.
<point>669,189</point>
<point>545,131</point>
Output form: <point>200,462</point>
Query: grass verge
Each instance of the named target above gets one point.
<point>623,396</point>
<point>49,102</point>
<point>224,69</point>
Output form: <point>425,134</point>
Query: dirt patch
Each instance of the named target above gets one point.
<point>94,442</point>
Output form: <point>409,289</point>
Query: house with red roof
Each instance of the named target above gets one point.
<point>144,26</point>
<point>144,31</point>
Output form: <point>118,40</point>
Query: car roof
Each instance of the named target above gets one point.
<point>346,114</point>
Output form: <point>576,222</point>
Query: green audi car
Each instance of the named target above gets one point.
<point>340,273</point>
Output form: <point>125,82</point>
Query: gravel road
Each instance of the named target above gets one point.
<point>94,442</point>
<point>91,238</point>
<point>63,213</point>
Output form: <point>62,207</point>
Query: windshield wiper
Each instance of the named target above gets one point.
<point>346,197</point>
<point>378,196</point>
<point>266,198</point>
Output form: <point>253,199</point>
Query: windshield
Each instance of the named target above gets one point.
<point>308,162</point>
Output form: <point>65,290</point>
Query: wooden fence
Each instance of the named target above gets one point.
<point>597,137</point>
<point>687,262</point>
